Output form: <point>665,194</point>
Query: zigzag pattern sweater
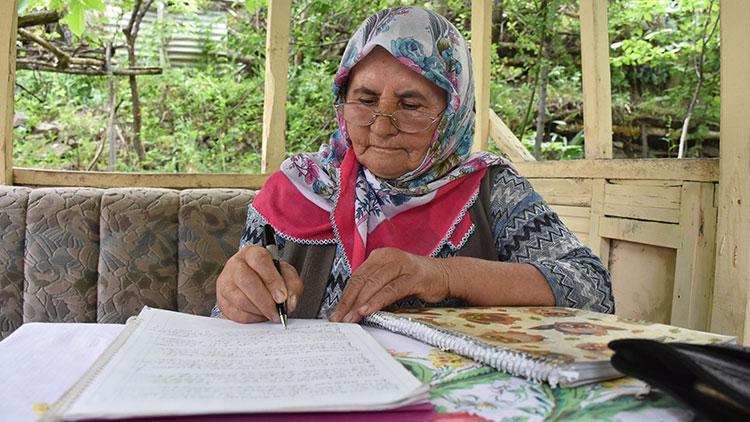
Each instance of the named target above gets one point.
<point>525,230</point>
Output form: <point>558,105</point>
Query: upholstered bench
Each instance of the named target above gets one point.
<point>99,255</point>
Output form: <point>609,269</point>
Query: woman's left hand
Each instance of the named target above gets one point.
<point>387,276</point>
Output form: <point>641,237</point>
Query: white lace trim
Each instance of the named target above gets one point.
<point>347,264</point>
<point>447,237</point>
<point>464,239</point>
<point>292,238</point>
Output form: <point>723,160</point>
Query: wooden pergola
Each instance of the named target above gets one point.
<point>675,233</point>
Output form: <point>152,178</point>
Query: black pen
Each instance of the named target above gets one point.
<point>269,242</point>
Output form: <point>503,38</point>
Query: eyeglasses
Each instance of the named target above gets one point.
<point>407,121</point>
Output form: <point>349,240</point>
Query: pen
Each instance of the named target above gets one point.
<point>269,242</point>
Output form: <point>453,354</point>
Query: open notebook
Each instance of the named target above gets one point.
<point>167,363</point>
<point>561,346</point>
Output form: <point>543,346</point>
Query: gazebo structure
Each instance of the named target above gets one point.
<point>674,233</point>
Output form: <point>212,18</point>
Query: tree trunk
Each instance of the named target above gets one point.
<point>705,37</point>
<point>498,25</point>
<point>541,114</point>
<point>112,100</point>
<point>542,43</point>
<point>131,34</point>
<point>136,139</point>
<point>111,104</point>
<point>644,141</point>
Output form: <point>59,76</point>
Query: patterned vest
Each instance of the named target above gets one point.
<point>313,262</point>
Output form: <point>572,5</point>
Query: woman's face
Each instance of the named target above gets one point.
<point>385,84</point>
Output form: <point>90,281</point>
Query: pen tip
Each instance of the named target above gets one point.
<point>284,321</point>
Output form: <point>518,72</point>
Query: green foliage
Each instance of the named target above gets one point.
<point>75,10</point>
<point>655,47</point>
<point>208,118</point>
<point>255,5</point>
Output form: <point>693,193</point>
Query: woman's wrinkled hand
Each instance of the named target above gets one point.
<point>249,286</point>
<point>387,276</point>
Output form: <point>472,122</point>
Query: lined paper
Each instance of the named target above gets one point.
<point>173,363</point>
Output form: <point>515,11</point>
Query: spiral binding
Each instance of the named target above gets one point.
<point>537,369</point>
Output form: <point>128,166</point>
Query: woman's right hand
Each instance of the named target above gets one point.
<point>249,286</point>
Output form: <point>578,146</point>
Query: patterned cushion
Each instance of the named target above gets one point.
<point>211,223</point>
<point>13,202</point>
<point>85,255</point>
<point>138,255</point>
<point>62,250</point>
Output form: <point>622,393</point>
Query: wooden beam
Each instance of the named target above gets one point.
<point>731,305</point>
<point>643,202</point>
<point>694,263</point>
<point>506,141</point>
<point>646,232</point>
<point>274,101</point>
<point>36,177</point>
<point>8,22</point>
<point>696,170</point>
<point>597,90</point>
<point>570,191</point>
<point>481,43</point>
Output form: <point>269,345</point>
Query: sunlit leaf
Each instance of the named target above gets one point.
<point>76,18</point>
<point>94,5</point>
<point>253,5</point>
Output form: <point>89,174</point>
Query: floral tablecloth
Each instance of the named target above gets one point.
<point>464,390</point>
<point>461,389</point>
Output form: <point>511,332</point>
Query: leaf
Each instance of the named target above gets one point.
<point>94,5</point>
<point>76,18</point>
<point>421,372</point>
<point>253,5</point>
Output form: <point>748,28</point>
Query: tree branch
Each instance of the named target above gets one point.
<point>38,18</point>
<point>63,58</point>
<point>27,64</point>
<point>129,28</point>
<point>136,17</point>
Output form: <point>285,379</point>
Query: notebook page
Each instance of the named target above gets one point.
<point>174,363</point>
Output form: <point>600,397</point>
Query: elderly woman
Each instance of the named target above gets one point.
<point>394,210</point>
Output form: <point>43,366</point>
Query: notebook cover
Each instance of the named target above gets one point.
<point>545,340</point>
<point>566,334</point>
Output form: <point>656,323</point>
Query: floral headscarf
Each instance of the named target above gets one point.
<point>329,197</point>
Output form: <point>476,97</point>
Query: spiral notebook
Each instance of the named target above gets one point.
<point>560,346</point>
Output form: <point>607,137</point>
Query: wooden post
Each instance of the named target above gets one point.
<point>599,245</point>
<point>274,101</point>
<point>694,266</point>
<point>8,23</point>
<point>731,314</point>
<point>597,91</point>
<point>481,41</point>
